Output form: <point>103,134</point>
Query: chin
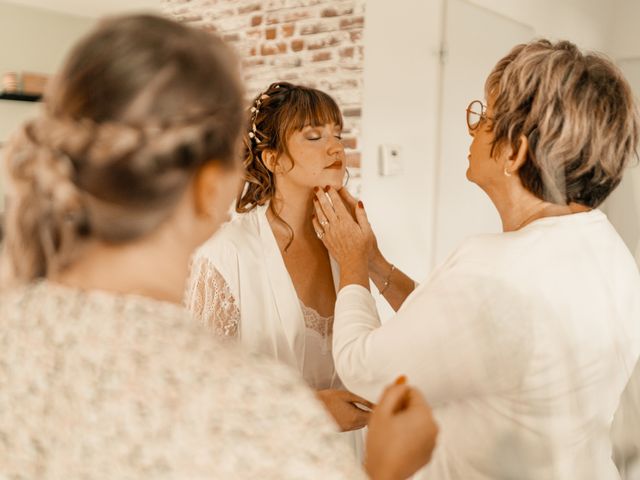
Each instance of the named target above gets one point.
<point>334,179</point>
<point>470,175</point>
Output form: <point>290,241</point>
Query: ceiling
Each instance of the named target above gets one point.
<point>90,8</point>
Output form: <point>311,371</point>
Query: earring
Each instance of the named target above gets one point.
<point>346,182</point>
<point>507,173</point>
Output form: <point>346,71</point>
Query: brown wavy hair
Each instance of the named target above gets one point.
<point>577,111</point>
<point>276,113</point>
<point>140,105</point>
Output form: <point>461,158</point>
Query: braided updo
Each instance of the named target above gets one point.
<point>140,105</point>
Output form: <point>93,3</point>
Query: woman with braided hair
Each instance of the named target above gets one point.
<point>265,278</point>
<point>132,164</point>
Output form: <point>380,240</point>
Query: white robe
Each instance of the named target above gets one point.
<point>240,287</point>
<point>247,256</point>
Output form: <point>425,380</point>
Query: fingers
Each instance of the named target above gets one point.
<point>318,228</point>
<point>361,217</point>
<point>321,217</point>
<point>360,418</point>
<point>353,398</point>
<point>338,204</point>
<point>347,198</point>
<point>393,399</point>
<point>322,201</point>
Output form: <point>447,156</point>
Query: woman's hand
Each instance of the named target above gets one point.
<point>347,237</point>
<point>341,406</point>
<point>352,205</point>
<point>402,434</point>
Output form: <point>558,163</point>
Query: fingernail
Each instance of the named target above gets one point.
<point>360,204</point>
<point>316,189</point>
<point>326,189</point>
<point>401,380</point>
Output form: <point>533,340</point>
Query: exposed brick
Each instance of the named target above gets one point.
<point>353,22</point>
<point>356,35</point>
<point>354,160</point>
<point>270,33</point>
<point>294,15</point>
<point>288,30</point>
<point>253,33</point>
<point>268,49</point>
<point>352,112</point>
<point>328,40</point>
<point>249,63</point>
<point>297,45</point>
<point>347,52</point>
<point>350,143</point>
<point>335,12</point>
<point>317,27</point>
<point>249,8</point>
<point>188,18</point>
<point>321,57</point>
<point>317,43</point>
<point>231,37</point>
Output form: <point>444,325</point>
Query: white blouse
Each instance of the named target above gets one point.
<point>95,385</point>
<point>523,343</point>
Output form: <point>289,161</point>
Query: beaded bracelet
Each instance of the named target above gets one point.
<point>387,282</point>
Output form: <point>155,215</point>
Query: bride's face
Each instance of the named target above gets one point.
<point>316,158</point>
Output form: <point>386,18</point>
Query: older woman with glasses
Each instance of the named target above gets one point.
<point>522,340</point>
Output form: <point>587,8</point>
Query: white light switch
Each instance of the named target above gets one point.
<point>389,160</point>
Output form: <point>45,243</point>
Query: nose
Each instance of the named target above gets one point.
<point>335,146</point>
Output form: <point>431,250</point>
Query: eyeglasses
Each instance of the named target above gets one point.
<point>476,113</point>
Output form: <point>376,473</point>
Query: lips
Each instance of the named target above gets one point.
<point>335,165</point>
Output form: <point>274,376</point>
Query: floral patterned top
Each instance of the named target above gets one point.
<point>96,385</point>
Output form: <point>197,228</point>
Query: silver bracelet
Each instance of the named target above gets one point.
<point>387,281</point>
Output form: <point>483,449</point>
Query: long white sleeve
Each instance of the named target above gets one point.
<point>449,338</point>
<point>210,300</point>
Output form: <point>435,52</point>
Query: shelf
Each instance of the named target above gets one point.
<point>20,97</point>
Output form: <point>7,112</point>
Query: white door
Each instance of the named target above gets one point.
<point>475,39</point>
<point>623,207</point>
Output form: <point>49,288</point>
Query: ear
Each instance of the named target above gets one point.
<point>206,185</point>
<point>269,158</point>
<point>518,157</point>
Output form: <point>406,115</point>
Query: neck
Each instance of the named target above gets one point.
<point>295,207</point>
<point>519,209</point>
<point>141,268</point>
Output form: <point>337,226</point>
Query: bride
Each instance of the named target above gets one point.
<point>265,278</point>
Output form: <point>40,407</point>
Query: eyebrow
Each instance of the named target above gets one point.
<point>335,126</point>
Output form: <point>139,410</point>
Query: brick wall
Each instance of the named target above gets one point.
<point>317,43</point>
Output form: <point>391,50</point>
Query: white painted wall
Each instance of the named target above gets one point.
<point>623,207</point>
<point>36,41</point>
<point>32,40</point>
<point>91,8</point>
<point>400,106</point>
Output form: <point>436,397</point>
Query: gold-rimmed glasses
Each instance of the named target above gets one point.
<point>476,113</point>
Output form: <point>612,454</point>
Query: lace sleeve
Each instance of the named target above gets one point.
<point>210,300</point>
